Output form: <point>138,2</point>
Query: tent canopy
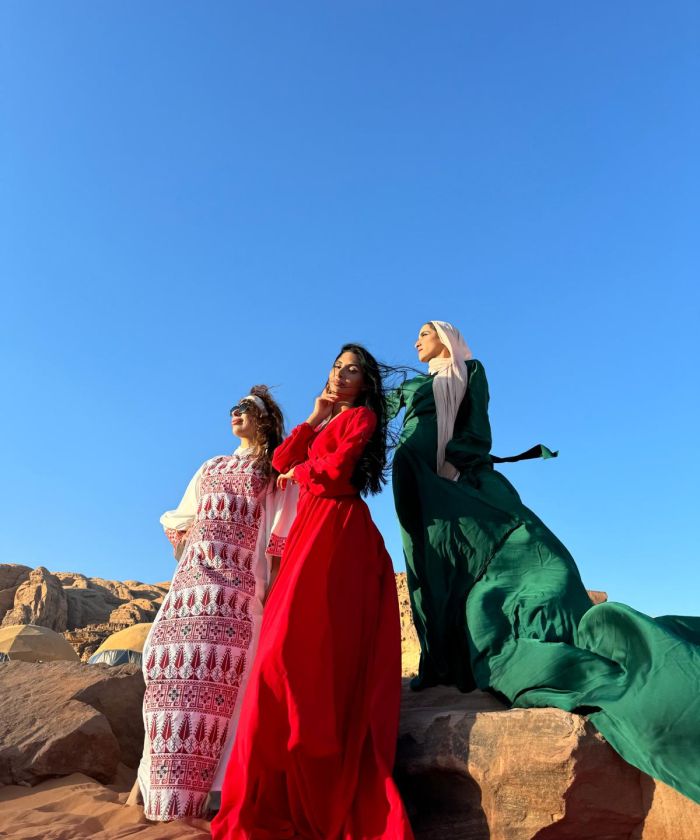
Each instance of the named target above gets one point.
<point>123,647</point>
<point>30,643</point>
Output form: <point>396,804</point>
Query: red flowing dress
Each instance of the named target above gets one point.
<point>316,739</point>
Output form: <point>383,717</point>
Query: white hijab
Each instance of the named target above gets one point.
<point>450,382</point>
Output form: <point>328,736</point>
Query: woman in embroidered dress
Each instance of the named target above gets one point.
<point>497,599</point>
<point>227,533</point>
<point>315,746</point>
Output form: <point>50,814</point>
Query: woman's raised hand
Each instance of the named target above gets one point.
<point>322,407</point>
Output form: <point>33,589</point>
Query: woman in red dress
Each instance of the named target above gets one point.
<point>316,739</point>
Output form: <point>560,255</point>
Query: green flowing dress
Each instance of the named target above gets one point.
<point>499,604</point>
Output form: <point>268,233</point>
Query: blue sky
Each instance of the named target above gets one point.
<point>199,197</point>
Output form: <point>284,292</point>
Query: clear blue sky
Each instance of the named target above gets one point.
<point>196,197</point>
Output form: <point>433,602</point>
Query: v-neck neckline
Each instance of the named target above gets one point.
<point>340,414</point>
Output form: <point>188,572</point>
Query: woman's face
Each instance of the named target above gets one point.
<point>346,378</point>
<point>429,345</point>
<point>244,422</point>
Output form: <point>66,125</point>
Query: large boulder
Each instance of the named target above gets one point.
<point>138,611</point>
<point>88,603</point>
<point>60,718</point>
<point>11,576</point>
<point>39,600</point>
<point>118,694</point>
<point>92,601</point>
<point>471,768</point>
<point>669,814</point>
<point>86,640</point>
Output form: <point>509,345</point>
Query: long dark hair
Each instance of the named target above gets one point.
<point>270,428</point>
<point>369,474</point>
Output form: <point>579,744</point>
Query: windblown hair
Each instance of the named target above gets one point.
<point>370,471</point>
<point>270,428</point>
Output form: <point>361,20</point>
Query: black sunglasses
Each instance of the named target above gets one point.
<point>241,408</point>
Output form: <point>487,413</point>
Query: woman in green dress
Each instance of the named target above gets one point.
<point>497,599</point>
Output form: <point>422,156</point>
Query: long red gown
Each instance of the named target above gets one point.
<point>317,734</point>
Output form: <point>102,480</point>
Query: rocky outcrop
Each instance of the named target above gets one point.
<point>468,766</point>
<point>410,648</point>
<point>86,640</point>
<point>96,607</point>
<point>138,611</point>
<point>88,603</point>
<point>471,768</point>
<point>86,610</point>
<point>92,601</point>
<point>670,814</point>
<point>60,718</point>
<point>39,600</point>
<point>118,695</point>
<point>11,576</point>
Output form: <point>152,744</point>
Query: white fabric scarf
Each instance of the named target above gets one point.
<point>450,382</point>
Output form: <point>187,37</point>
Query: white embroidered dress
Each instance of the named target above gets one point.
<point>200,649</point>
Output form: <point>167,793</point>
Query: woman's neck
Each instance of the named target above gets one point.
<point>245,443</point>
<point>339,408</point>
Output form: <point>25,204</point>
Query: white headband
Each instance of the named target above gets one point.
<point>257,401</point>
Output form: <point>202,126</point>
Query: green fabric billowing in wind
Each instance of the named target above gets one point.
<point>499,604</point>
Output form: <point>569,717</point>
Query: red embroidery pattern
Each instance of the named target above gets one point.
<point>240,533</point>
<point>182,694</point>
<point>232,632</point>
<point>198,651</point>
<point>175,536</point>
<point>276,545</point>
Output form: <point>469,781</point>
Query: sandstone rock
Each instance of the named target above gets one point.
<point>88,606</point>
<point>138,611</point>
<point>94,607</point>
<point>471,768</point>
<point>39,600</point>
<point>410,647</point>
<point>60,718</point>
<point>7,600</point>
<point>129,589</point>
<point>93,600</point>
<point>671,816</point>
<point>118,694</point>
<point>11,576</point>
<point>86,640</point>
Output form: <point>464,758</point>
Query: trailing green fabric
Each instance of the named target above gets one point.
<point>498,602</point>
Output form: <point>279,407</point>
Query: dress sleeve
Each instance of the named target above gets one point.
<point>394,402</point>
<point>330,474</point>
<point>293,449</point>
<point>176,522</point>
<point>281,511</point>
<point>470,447</point>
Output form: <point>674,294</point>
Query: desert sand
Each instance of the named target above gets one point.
<point>76,807</point>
